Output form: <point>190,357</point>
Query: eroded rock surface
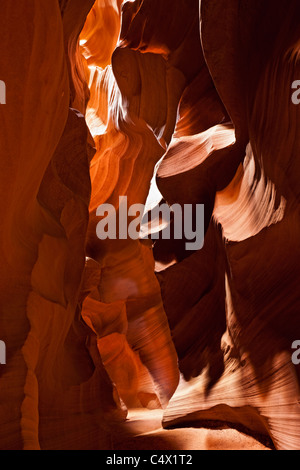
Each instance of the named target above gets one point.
<point>182,102</point>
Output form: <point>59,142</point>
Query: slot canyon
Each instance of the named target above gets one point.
<point>123,342</point>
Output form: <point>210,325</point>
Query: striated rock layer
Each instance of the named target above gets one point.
<point>185,102</point>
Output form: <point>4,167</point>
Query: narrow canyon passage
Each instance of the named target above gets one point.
<point>149,283</point>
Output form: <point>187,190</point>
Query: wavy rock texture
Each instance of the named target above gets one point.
<point>183,102</point>
<point>50,386</point>
<point>127,151</point>
<point>256,384</point>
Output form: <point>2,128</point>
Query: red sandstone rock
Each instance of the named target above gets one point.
<point>101,96</point>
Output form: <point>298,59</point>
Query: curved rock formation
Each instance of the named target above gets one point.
<point>261,316</point>
<point>118,104</point>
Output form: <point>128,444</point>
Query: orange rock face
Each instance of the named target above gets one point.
<point>186,102</point>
